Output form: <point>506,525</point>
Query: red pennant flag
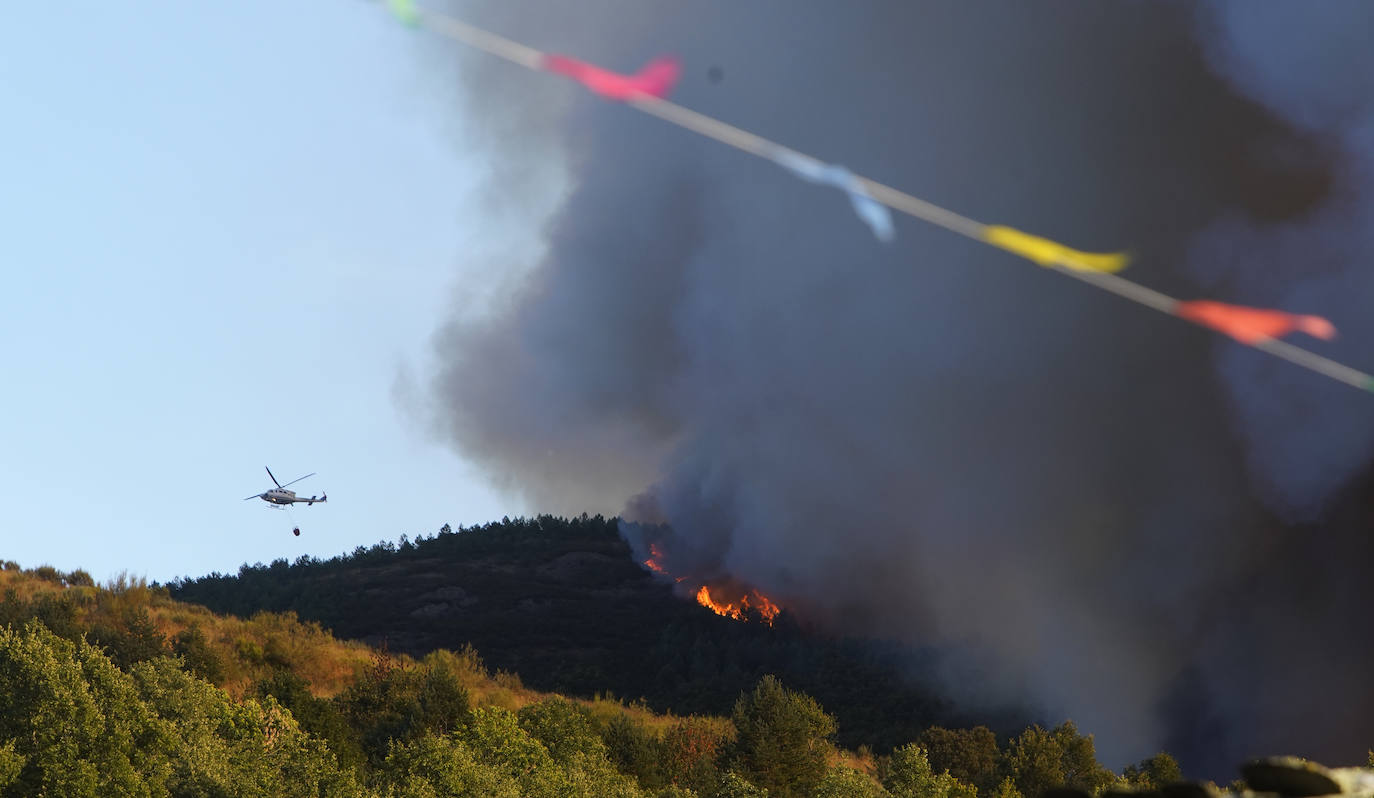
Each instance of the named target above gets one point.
<point>1252,325</point>
<point>656,79</point>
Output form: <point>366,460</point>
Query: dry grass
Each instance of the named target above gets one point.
<point>605,707</point>
<point>248,648</point>
<point>251,648</point>
<point>862,760</point>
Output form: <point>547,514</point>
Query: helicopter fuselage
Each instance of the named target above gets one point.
<point>283,496</point>
<point>279,496</point>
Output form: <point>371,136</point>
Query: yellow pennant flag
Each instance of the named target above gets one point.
<point>1049,253</point>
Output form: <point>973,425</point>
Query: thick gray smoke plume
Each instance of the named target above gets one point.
<point>934,440</point>
<point>1312,64</point>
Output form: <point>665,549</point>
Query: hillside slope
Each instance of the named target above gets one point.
<point>562,603</point>
<point>122,689</point>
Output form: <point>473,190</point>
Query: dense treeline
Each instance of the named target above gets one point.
<point>123,691</point>
<point>563,603</point>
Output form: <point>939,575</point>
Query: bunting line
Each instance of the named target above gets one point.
<point>1095,269</point>
<point>873,213</point>
<point>1317,363</point>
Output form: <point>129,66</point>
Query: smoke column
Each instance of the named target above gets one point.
<point>931,440</point>
<point>1313,66</point>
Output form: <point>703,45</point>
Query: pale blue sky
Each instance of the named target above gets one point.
<point>226,228</point>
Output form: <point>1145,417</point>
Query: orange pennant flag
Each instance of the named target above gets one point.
<point>1252,325</point>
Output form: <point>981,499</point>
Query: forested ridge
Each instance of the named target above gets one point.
<point>122,690</point>
<point>563,603</point>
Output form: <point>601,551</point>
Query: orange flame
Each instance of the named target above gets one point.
<point>760,604</point>
<point>704,599</point>
<point>751,603</point>
<point>652,563</point>
<point>766,607</point>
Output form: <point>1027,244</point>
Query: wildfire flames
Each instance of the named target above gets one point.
<point>654,565</point>
<point>760,604</point>
<point>750,602</point>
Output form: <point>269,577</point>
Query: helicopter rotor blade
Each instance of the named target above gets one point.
<point>254,496</point>
<point>297,479</point>
<point>274,479</point>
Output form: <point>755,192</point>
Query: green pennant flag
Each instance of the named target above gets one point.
<point>405,11</point>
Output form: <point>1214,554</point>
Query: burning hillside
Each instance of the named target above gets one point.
<point>750,603</point>
<point>654,563</point>
<point>725,597</point>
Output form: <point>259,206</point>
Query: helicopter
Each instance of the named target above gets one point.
<point>281,496</point>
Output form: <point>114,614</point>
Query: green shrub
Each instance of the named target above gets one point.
<point>784,737</point>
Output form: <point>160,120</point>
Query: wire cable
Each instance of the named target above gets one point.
<point>895,199</point>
